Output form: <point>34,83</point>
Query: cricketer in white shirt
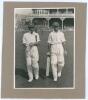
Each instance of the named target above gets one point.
<point>31,40</point>
<point>56,40</point>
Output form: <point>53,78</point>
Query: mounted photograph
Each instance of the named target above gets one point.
<point>44,48</point>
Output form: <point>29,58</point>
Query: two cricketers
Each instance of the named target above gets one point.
<point>56,41</point>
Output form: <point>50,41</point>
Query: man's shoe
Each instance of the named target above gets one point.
<point>55,80</point>
<point>59,74</point>
<point>30,80</point>
<point>36,77</point>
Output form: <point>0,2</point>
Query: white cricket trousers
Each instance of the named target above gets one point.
<point>32,67</point>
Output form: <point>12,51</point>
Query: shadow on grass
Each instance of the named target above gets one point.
<point>42,73</point>
<point>21,72</point>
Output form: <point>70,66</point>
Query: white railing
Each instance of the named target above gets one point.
<point>52,15</point>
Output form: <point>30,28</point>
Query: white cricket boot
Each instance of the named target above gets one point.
<point>59,74</point>
<point>30,80</point>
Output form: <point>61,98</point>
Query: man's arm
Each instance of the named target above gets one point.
<point>49,46</point>
<point>24,42</point>
<point>34,44</point>
<point>64,46</point>
<point>37,41</point>
<point>49,50</point>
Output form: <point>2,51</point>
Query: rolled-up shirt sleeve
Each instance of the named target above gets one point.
<point>49,39</point>
<point>63,37</point>
<point>38,38</point>
<point>24,41</point>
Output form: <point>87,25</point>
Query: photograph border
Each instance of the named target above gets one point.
<point>7,90</point>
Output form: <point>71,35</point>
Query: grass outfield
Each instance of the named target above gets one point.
<point>20,63</point>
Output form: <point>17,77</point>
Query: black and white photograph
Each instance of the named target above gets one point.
<point>44,48</point>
